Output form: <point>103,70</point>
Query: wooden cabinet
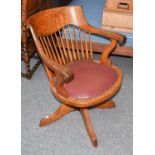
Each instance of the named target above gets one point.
<point>117,15</point>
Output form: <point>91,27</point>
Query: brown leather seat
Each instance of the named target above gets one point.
<point>90,79</point>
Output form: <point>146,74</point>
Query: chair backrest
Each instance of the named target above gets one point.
<point>59,35</point>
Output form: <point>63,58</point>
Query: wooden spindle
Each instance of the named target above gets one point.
<point>44,47</point>
<point>47,47</point>
<point>77,48</point>
<point>61,52</point>
<point>80,38</point>
<point>52,50</point>
<point>69,51</point>
<point>90,47</point>
<point>65,52</point>
<point>73,50</point>
<point>56,50</point>
<point>85,40</point>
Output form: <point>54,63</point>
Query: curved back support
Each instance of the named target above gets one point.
<point>51,20</point>
<point>58,34</point>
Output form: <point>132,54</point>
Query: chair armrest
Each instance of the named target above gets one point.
<point>63,74</point>
<point>111,35</point>
<point>115,38</point>
<point>61,70</point>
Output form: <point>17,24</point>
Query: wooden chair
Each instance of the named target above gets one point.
<point>63,40</point>
<point>28,48</point>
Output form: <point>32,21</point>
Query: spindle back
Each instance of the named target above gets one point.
<point>60,34</point>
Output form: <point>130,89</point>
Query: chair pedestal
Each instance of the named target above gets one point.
<point>65,109</point>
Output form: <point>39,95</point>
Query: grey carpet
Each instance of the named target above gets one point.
<point>68,136</point>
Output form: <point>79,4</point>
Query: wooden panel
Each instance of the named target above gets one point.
<point>125,5</point>
<point>118,15</point>
<point>117,20</point>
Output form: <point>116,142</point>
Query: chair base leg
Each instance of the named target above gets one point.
<point>65,109</point>
<point>60,112</point>
<point>88,125</point>
<point>108,104</point>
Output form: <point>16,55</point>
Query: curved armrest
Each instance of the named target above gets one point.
<point>61,70</point>
<point>118,37</point>
<point>63,75</point>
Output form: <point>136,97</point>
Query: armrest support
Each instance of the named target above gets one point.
<point>104,59</point>
<point>111,35</point>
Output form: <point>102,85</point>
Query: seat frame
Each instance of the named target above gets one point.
<point>47,23</point>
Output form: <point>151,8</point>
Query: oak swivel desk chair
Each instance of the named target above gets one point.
<point>63,40</point>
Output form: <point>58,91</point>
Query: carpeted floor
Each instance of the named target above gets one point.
<point>68,136</point>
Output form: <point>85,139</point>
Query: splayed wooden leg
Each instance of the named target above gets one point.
<point>60,112</point>
<point>88,125</point>
<point>108,104</point>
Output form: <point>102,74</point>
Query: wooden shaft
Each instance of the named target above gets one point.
<point>43,45</point>
<point>81,43</point>
<point>56,50</point>
<point>47,48</point>
<point>90,47</point>
<point>51,48</point>
<point>65,52</point>
<point>77,48</point>
<point>72,45</point>
<point>87,56</point>
<point>61,52</point>
<point>68,47</point>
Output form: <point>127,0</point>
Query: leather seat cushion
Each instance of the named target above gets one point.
<point>90,79</point>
